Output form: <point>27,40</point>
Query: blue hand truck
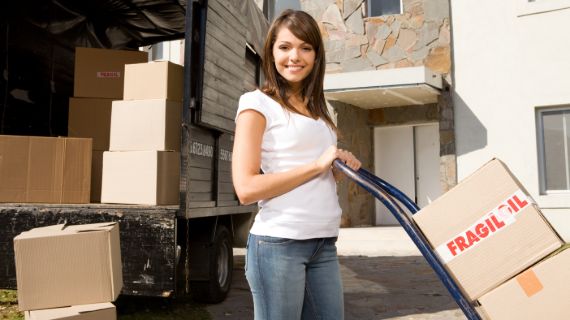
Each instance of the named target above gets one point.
<point>387,194</point>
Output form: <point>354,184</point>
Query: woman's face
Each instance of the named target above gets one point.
<point>294,58</point>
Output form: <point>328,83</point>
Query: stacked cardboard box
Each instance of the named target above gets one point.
<point>99,78</point>
<point>44,169</point>
<point>486,230</point>
<point>143,162</point>
<point>69,272</point>
<point>540,292</point>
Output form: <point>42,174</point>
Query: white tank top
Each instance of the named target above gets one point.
<point>290,140</point>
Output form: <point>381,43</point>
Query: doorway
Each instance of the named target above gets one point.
<point>408,158</point>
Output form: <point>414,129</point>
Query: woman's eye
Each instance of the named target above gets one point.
<point>308,49</point>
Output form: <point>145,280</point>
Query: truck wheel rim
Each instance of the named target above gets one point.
<point>223,258</point>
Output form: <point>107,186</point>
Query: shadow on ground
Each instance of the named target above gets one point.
<point>155,308</point>
<point>394,288</point>
<point>374,288</point>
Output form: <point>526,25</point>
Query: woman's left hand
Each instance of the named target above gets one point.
<point>350,160</point>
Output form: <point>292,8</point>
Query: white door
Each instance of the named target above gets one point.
<point>428,186</point>
<point>394,162</point>
<point>408,158</point>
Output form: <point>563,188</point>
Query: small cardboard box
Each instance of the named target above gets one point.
<point>99,73</point>
<point>90,118</point>
<point>154,80</point>
<point>45,169</point>
<point>540,292</point>
<point>145,125</point>
<point>486,229</point>
<point>97,311</point>
<point>141,177</point>
<point>59,266</point>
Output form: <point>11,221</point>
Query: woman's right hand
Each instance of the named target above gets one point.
<point>325,160</point>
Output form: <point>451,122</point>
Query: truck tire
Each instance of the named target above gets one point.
<point>221,264</point>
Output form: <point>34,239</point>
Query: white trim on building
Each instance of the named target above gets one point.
<point>384,88</point>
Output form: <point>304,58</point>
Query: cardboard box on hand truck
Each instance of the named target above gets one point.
<point>540,292</point>
<point>486,229</point>
<point>60,266</point>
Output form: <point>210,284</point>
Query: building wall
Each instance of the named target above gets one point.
<point>354,42</point>
<point>354,135</point>
<point>505,66</point>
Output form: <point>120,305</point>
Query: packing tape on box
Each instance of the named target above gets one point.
<point>496,220</point>
<point>529,282</point>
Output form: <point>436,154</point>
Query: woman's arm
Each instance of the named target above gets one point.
<point>250,185</point>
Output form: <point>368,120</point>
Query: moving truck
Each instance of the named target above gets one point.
<point>167,250</point>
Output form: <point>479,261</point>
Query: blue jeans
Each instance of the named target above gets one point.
<point>294,279</point>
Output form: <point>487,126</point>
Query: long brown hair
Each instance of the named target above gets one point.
<point>304,27</point>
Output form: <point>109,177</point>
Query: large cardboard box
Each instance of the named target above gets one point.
<point>154,80</point>
<point>45,169</point>
<point>59,266</point>
<point>99,73</point>
<point>540,292</point>
<point>141,177</point>
<point>97,311</point>
<point>486,229</point>
<point>138,125</point>
<point>90,118</point>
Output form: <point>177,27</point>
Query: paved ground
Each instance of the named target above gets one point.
<point>383,274</point>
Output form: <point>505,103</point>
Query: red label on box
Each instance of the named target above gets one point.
<point>499,218</point>
<point>108,74</point>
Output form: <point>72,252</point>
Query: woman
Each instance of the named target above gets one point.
<point>285,129</point>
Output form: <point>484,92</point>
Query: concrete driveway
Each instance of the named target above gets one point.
<point>384,277</point>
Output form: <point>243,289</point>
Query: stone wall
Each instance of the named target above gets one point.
<point>354,42</point>
<point>447,153</point>
<point>355,135</point>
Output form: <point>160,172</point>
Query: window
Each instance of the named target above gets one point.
<point>376,8</point>
<point>528,7</point>
<point>554,149</point>
<point>254,75</point>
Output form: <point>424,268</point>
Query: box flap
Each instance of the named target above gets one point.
<point>72,312</point>
<point>40,232</point>
<point>93,227</point>
<point>62,229</point>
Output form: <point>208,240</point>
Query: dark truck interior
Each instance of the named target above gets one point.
<point>37,47</point>
<point>37,60</point>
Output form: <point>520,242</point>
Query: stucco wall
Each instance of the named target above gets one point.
<point>504,69</point>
